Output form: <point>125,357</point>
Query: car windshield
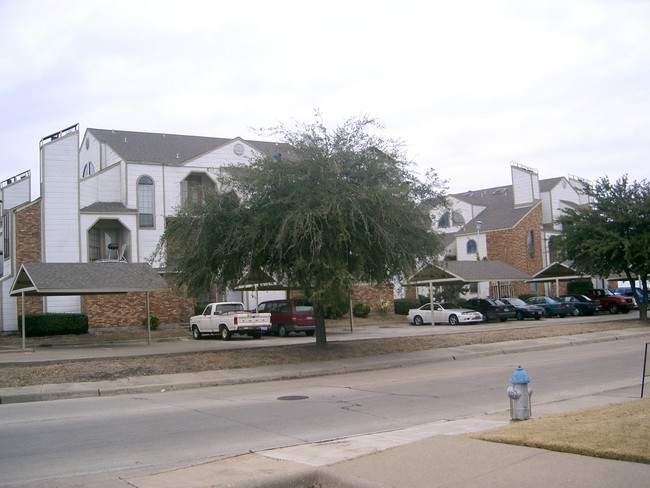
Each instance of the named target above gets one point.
<point>516,302</point>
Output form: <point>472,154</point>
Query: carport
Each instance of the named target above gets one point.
<point>555,273</point>
<point>466,272</point>
<point>65,279</point>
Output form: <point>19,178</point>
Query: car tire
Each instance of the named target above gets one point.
<point>577,312</point>
<point>310,333</point>
<point>196,333</point>
<point>520,315</point>
<point>562,315</point>
<point>417,320</point>
<point>614,308</point>
<point>548,313</point>
<point>224,333</point>
<point>538,317</point>
<point>282,331</point>
<point>453,320</point>
<point>504,319</point>
<point>485,317</point>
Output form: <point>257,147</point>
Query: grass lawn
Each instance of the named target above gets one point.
<point>620,431</point>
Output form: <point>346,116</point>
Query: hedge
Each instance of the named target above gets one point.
<point>403,305</point>
<point>47,324</point>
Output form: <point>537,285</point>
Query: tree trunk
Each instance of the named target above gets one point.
<point>321,333</point>
<point>643,306</point>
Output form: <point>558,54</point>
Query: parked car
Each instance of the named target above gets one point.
<point>611,302</point>
<point>552,306</point>
<point>524,310</point>
<point>289,316</point>
<point>491,309</point>
<point>443,313</point>
<point>627,291</point>
<point>583,304</point>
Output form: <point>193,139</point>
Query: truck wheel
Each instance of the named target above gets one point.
<point>196,333</point>
<point>224,333</point>
<point>614,308</point>
<point>282,331</point>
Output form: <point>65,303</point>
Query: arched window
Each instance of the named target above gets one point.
<point>89,169</point>
<point>471,246</point>
<point>457,220</point>
<point>145,201</point>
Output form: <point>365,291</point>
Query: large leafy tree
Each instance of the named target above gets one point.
<point>612,234</point>
<point>334,208</point>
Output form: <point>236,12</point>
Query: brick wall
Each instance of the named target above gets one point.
<point>510,246</point>
<point>130,309</point>
<point>28,247</point>
<point>373,295</point>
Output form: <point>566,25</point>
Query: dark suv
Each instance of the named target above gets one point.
<point>491,309</point>
<point>289,316</point>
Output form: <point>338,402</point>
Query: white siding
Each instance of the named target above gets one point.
<point>224,156</point>
<point>561,193</point>
<point>9,304</point>
<point>103,186</point>
<point>525,186</point>
<point>60,200</point>
<point>16,193</point>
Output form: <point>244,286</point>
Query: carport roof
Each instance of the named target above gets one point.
<point>556,272</point>
<point>40,279</point>
<point>459,272</point>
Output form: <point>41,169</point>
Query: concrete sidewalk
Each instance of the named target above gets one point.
<point>431,455</point>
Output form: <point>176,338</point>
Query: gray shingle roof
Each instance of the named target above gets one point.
<point>86,278</point>
<point>171,148</point>
<point>108,207</point>
<point>450,272</point>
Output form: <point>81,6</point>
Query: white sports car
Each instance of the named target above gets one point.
<point>443,313</point>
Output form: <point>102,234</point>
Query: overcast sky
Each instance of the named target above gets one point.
<point>469,86</point>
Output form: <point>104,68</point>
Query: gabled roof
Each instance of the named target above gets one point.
<point>550,183</point>
<point>171,148</point>
<point>556,272</point>
<point>499,213</point>
<point>85,279</point>
<point>458,272</point>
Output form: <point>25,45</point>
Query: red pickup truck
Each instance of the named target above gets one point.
<point>611,302</point>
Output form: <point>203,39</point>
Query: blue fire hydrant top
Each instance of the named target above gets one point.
<point>519,376</point>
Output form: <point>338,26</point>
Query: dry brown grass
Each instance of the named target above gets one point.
<point>75,371</point>
<point>620,431</point>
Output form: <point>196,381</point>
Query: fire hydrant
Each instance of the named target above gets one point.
<point>519,394</point>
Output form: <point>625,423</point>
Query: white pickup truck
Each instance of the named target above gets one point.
<point>228,318</point>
